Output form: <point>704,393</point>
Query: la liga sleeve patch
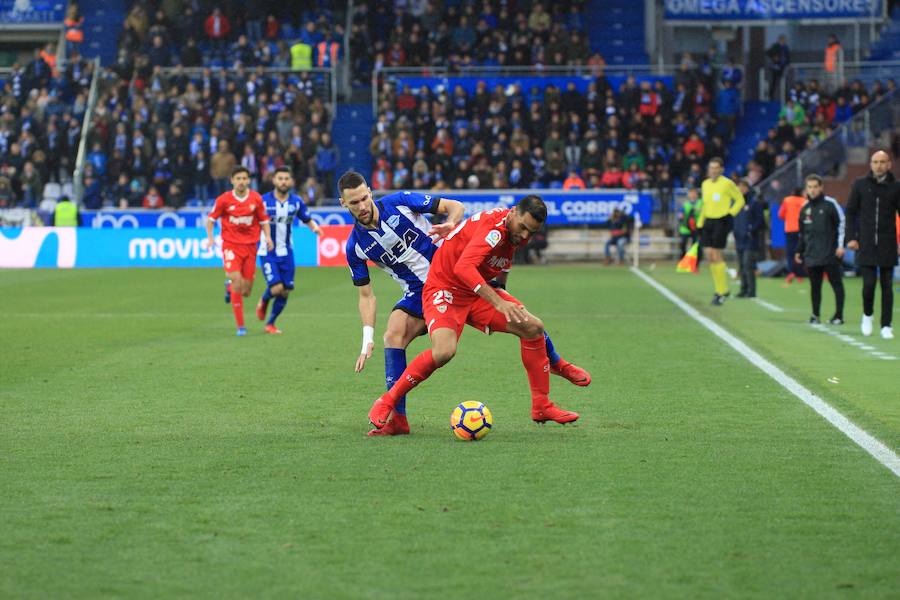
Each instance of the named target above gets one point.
<point>493,238</point>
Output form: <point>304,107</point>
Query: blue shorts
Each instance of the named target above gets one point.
<point>278,269</point>
<point>411,304</point>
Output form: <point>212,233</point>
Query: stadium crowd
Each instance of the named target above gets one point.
<point>169,125</point>
<point>41,112</point>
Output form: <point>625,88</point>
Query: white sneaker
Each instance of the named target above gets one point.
<point>887,333</point>
<point>866,326</point>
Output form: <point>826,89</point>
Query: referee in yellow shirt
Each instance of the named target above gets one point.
<point>722,201</point>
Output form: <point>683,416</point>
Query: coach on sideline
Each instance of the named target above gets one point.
<point>872,232</point>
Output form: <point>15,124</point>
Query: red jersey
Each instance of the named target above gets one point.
<point>476,251</point>
<point>240,218</point>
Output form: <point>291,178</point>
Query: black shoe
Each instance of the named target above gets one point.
<point>814,320</point>
<point>718,300</point>
<point>836,321</point>
<point>751,294</point>
<point>742,295</point>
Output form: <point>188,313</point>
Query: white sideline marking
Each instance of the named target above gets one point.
<point>876,449</point>
<point>768,305</point>
<point>852,342</point>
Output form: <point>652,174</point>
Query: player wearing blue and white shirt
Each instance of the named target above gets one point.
<point>394,234</point>
<point>278,264</point>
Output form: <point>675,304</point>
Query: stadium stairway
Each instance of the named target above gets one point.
<point>102,23</point>
<point>888,46</point>
<point>351,132</point>
<point>753,125</point>
<point>616,30</point>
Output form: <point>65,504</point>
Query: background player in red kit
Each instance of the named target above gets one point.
<point>243,212</point>
<point>456,293</point>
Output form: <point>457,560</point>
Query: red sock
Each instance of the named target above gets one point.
<point>537,365</point>
<point>237,305</point>
<point>418,371</point>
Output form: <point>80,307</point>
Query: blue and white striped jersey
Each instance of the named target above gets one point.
<point>282,216</point>
<point>399,244</point>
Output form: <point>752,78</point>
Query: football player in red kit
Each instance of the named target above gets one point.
<point>456,293</point>
<point>243,213</point>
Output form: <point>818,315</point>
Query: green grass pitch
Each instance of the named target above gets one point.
<point>148,452</point>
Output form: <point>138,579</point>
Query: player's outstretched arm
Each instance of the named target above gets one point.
<point>314,227</point>
<point>367,308</point>
<point>455,212</point>
<point>210,239</point>
<point>267,231</point>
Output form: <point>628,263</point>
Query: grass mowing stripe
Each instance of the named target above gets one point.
<point>876,449</point>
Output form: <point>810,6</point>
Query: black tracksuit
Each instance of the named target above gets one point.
<point>871,211</point>
<point>821,234</point>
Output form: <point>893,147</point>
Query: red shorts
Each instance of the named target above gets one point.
<point>240,257</point>
<point>444,308</point>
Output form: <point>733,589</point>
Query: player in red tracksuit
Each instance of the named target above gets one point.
<point>456,293</point>
<point>243,213</point>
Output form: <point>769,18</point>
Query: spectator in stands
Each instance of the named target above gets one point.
<point>327,158</point>
<point>153,199</point>
<point>221,165</point>
<point>834,62</point>
<point>217,28</point>
<point>573,181</point>
<point>779,57</point>
<point>74,28</point>
<point>31,185</point>
<point>789,213</point>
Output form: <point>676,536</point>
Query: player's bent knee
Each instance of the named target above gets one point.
<point>441,356</point>
<point>394,339</point>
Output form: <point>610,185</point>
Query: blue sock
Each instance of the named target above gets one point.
<point>394,365</point>
<point>267,295</point>
<point>277,307</point>
<point>551,351</point>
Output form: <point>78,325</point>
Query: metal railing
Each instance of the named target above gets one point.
<point>828,156</point>
<point>78,175</point>
<point>390,74</point>
<point>866,71</point>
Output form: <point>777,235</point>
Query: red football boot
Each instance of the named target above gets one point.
<point>380,412</point>
<point>272,329</point>
<point>573,373</point>
<point>396,425</point>
<point>261,307</point>
<point>551,412</point>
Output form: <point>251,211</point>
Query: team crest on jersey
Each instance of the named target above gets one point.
<point>493,238</point>
<point>393,220</point>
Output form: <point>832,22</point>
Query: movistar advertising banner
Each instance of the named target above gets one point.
<point>68,247</point>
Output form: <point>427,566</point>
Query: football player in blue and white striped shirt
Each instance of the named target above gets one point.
<point>394,234</point>
<point>278,264</point>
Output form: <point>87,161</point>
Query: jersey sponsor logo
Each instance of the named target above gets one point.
<point>499,262</point>
<point>493,238</point>
<point>241,220</point>
<point>442,308</point>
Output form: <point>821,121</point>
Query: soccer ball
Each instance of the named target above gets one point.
<point>471,420</point>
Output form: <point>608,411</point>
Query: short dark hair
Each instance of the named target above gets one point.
<point>534,206</point>
<point>716,159</point>
<point>240,169</point>
<point>283,170</point>
<point>350,180</point>
<point>813,177</point>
